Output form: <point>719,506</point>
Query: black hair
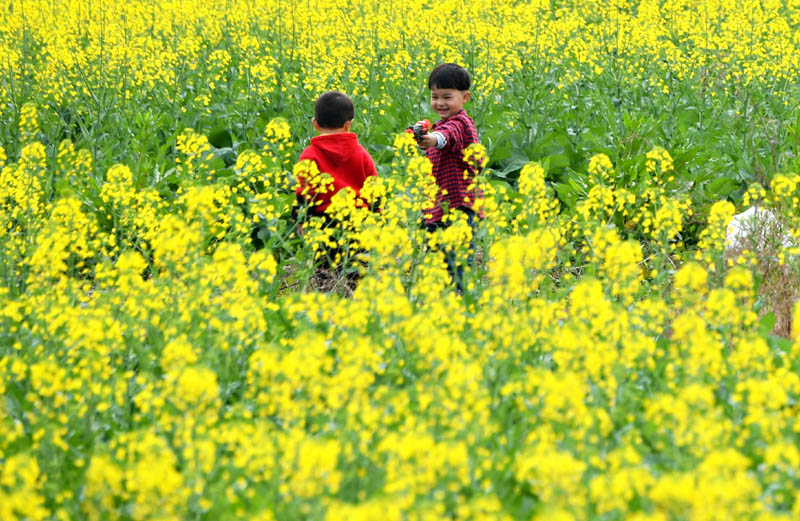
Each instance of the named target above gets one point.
<point>333,109</point>
<point>449,76</point>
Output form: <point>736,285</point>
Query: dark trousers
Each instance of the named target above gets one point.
<point>455,269</point>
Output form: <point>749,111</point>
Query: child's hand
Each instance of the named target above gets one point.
<point>427,141</point>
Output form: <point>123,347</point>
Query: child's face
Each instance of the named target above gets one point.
<point>448,102</point>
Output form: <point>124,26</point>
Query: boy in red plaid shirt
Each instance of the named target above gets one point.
<point>444,145</point>
<point>449,84</point>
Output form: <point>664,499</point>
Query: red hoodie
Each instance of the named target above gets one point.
<point>341,156</point>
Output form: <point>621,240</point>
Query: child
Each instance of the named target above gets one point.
<point>336,151</point>
<point>444,146</point>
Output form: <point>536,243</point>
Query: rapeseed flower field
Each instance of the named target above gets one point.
<point>171,349</point>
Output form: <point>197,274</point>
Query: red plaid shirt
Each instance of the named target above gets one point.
<point>453,175</point>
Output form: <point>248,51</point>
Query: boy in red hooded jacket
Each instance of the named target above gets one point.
<point>336,151</point>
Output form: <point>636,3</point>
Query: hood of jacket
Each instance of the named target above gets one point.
<point>337,148</point>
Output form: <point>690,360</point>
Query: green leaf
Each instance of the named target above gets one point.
<point>766,324</point>
<point>517,161</point>
<point>226,154</point>
<point>557,161</point>
<point>225,173</point>
<point>568,193</point>
<point>779,344</point>
<point>220,137</point>
<point>721,187</point>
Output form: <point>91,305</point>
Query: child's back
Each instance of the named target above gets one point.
<point>341,156</point>
<point>335,151</point>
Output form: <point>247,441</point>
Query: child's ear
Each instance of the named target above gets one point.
<point>347,125</point>
<point>316,125</point>
<point>466,96</point>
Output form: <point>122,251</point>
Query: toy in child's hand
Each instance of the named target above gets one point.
<point>419,129</point>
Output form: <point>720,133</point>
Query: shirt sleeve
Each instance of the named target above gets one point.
<point>453,133</point>
<point>441,140</point>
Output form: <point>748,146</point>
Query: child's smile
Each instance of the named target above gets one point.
<point>448,102</point>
